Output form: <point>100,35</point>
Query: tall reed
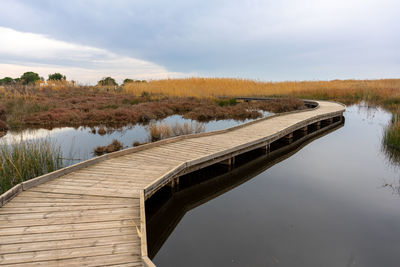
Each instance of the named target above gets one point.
<point>23,160</point>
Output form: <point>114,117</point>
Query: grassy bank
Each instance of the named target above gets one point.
<point>23,160</point>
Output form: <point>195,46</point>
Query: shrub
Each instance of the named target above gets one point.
<point>114,146</point>
<point>127,81</point>
<point>30,77</point>
<point>101,130</point>
<point>107,81</point>
<point>7,81</point>
<point>56,77</point>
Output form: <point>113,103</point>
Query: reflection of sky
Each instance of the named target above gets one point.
<point>78,143</point>
<point>324,206</point>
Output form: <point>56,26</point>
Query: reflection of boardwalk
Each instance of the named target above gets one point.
<point>93,213</point>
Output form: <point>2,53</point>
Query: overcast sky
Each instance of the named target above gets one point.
<point>263,40</point>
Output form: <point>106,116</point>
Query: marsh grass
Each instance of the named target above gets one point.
<point>159,131</point>
<point>385,91</point>
<point>391,140</point>
<point>23,160</point>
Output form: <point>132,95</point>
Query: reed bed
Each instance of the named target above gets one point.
<point>384,91</point>
<point>23,160</point>
<point>159,131</point>
<point>391,140</point>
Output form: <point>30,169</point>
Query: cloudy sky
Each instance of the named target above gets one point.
<point>146,39</point>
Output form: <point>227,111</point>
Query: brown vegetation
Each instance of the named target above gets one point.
<point>202,99</point>
<point>159,131</point>
<point>89,106</point>
<point>114,146</point>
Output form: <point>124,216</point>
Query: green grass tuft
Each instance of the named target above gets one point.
<point>24,160</point>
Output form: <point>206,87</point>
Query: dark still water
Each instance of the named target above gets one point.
<point>332,203</point>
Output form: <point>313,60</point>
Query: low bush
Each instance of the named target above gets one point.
<point>114,146</point>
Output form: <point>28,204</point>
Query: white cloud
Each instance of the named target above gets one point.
<point>21,51</point>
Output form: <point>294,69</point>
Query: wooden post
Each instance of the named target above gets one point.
<point>266,148</point>
<point>174,185</point>
<point>289,138</point>
<point>228,162</point>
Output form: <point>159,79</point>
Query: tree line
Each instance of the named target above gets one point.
<point>32,77</point>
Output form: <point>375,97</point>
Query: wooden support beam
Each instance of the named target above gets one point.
<point>228,162</point>
<point>288,138</point>
<point>266,148</point>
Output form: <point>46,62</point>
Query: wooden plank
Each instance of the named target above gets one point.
<point>128,259</point>
<point>88,191</point>
<point>133,183</point>
<point>44,203</point>
<point>76,214</point>
<point>44,237</point>
<point>67,253</point>
<point>65,220</point>
<point>67,227</point>
<point>44,209</point>
<point>60,196</point>
<point>70,243</point>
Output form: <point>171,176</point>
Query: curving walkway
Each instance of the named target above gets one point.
<point>92,213</point>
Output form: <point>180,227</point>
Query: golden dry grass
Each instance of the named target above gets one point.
<point>342,90</point>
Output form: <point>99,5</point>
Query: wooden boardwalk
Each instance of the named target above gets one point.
<point>92,213</point>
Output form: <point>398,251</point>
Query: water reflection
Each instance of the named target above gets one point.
<point>165,209</point>
<point>77,144</point>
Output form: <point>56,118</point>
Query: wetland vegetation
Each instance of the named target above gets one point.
<point>28,102</point>
<point>23,160</point>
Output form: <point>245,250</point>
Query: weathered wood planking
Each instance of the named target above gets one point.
<point>92,213</point>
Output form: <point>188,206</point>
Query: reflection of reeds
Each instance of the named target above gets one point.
<point>23,160</point>
<point>159,131</point>
<point>391,140</point>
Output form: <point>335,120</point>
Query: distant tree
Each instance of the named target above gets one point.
<point>128,81</point>
<point>56,77</point>
<point>140,81</point>
<point>107,81</point>
<point>6,81</point>
<point>29,77</point>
